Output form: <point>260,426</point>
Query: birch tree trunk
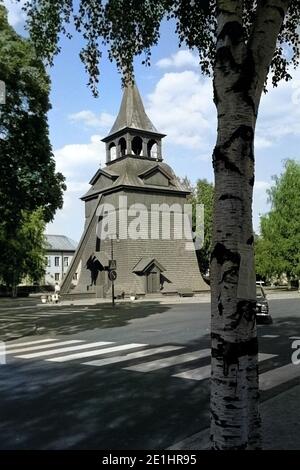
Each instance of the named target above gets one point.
<point>239,75</point>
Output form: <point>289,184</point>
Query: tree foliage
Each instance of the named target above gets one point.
<point>28,180</point>
<point>128,28</point>
<point>23,254</point>
<point>204,194</point>
<point>278,247</point>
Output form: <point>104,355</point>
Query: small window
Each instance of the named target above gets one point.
<point>75,277</point>
<point>48,261</point>
<point>66,262</point>
<point>57,276</point>
<point>56,261</point>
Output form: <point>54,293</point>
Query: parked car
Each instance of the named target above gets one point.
<point>262,307</point>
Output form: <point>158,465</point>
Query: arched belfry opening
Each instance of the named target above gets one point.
<point>137,145</point>
<point>133,134</point>
<point>112,151</point>
<point>122,147</point>
<point>152,149</point>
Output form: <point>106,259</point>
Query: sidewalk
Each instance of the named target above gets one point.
<point>163,300</point>
<point>280,425</point>
<point>170,300</point>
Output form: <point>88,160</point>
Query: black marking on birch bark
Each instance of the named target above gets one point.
<point>233,271</point>
<point>226,60</point>
<point>223,423</point>
<point>220,156</point>
<point>245,309</point>
<point>234,30</point>
<point>245,81</point>
<point>246,134</point>
<point>250,240</point>
<point>279,9</point>
<point>222,254</point>
<point>216,96</point>
<point>230,353</point>
<point>224,197</point>
<point>251,181</point>
<point>242,132</point>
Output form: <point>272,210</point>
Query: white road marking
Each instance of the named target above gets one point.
<point>51,352</point>
<point>202,373</point>
<point>170,361</point>
<point>43,346</point>
<point>27,343</point>
<point>98,352</point>
<point>294,337</point>
<point>278,376</point>
<point>270,336</point>
<point>128,357</point>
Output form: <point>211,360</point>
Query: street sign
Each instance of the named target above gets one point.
<point>112,275</point>
<point>112,266</point>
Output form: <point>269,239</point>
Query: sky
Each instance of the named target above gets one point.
<point>178,100</point>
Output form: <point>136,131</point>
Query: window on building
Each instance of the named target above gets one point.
<point>75,277</point>
<point>66,262</point>
<point>57,276</point>
<point>48,261</point>
<point>56,261</point>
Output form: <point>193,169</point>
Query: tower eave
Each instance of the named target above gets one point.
<point>122,131</point>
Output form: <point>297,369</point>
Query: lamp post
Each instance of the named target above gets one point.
<point>112,274</point>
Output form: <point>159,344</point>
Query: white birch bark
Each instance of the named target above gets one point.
<point>239,75</point>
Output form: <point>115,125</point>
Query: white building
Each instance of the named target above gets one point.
<point>60,252</point>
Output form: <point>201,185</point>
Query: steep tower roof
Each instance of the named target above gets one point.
<point>132,113</point>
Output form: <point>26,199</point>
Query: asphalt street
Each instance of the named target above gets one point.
<point>133,377</point>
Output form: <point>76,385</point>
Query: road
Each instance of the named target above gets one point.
<point>135,377</point>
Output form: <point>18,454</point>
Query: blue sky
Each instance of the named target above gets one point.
<point>178,100</point>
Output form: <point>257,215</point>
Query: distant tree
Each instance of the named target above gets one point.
<point>278,247</point>
<point>188,186</point>
<point>28,180</point>
<point>23,254</point>
<point>204,194</point>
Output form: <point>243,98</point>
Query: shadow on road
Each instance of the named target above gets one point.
<point>70,321</point>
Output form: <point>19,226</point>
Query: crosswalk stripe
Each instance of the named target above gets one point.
<point>202,373</point>
<point>129,357</point>
<point>43,346</point>
<point>171,361</point>
<point>278,376</point>
<point>97,352</point>
<point>27,343</point>
<point>294,337</point>
<point>270,336</point>
<point>51,352</point>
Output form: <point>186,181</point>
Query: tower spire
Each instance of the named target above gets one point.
<point>133,133</point>
<point>132,113</point>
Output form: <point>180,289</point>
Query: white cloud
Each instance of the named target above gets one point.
<point>182,58</point>
<point>15,13</point>
<point>261,186</point>
<point>78,163</point>
<point>181,106</point>
<point>90,119</point>
<point>279,114</point>
<point>73,158</point>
